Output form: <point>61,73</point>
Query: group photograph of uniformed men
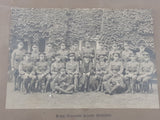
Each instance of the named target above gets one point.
<point>87,66</point>
<point>81,58</point>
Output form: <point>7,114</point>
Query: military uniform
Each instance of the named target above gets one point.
<point>35,53</point>
<point>49,52</point>
<point>27,75</point>
<point>145,75</point>
<point>88,52</point>
<point>131,75</point>
<point>115,84</point>
<point>62,84</point>
<point>86,70</point>
<point>63,55</point>
<point>101,52</point>
<point>54,74</point>
<point>49,56</point>
<point>125,55</point>
<point>115,77</point>
<point>72,70</point>
<point>114,49</point>
<point>117,64</point>
<point>16,58</point>
<point>77,54</point>
<point>35,56</point>
<point>101,74</point>
<point>140,57</point>
<point>42,70</point>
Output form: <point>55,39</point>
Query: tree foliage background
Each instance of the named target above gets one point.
<point>72,25</point>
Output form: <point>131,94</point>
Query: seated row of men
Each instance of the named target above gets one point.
<point>85,75</point>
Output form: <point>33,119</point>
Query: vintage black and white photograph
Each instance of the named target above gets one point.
<point>81,58</point>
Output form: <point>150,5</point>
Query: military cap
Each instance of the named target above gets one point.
<point>57,54</point>
<point>35,45</point>
<point>71,54</point>
<point>145,53</point>
<point>48,43</point>
<point>86,56</point>
<point>116,52</point>
<point>142,43</point>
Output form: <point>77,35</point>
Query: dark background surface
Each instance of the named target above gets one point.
<point>50,114</point>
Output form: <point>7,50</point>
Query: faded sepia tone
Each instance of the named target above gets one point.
<point>50,114</point>
<point>91,58</point>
